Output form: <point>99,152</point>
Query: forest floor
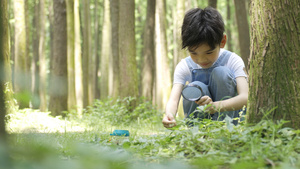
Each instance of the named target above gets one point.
<point>38,140</point>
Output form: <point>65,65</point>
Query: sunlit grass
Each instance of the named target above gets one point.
<point>36,136</point>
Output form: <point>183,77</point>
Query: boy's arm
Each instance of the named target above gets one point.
<point>172,106</point>
<point>237,102</point>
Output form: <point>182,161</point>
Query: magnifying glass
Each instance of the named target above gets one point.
<point>192,92</point>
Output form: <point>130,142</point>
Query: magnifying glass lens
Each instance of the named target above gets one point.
<point>191,93</point>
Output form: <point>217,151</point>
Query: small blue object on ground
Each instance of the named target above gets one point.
<point>120,133</point>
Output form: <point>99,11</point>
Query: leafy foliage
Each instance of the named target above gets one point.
<point>209,144</point>
<point>121,111</point>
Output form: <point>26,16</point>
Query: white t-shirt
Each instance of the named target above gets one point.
<point>183,74</point>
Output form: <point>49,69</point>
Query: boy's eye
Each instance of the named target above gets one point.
<point>209,53</point>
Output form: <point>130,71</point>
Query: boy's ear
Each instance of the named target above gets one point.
<point>223,42</point>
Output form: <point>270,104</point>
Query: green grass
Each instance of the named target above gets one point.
<point>38,140</point>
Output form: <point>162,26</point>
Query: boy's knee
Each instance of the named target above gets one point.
<point>221,72</point>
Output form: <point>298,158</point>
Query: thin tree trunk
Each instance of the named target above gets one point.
<point>106,51</point>
<point>96,89</point>
<point>71,54</point>
<point>149,52</point>
<point>21,74</point>
<point>42,58</point>
<point>127,49</point>
<point>35,59</point>
<point>78,60</point>
<point>163,77</point>
<point>4,64</point>
<point>178,18</point>
<point>243,29</point>
<point>86,53</point>
<point>228,26</point>
<point>59,77</point>
<point>274,62</point>
<point>114,14</point>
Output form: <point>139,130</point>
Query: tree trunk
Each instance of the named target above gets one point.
<point>243,29</point>
<point>213,3</point>
<point>228,25</point>
<point>149,52</point>
<point>114,14</point>
<point>4,64</point>
<point>86,52</point>
<point>106,51</point>
<point>78,60</point>
<point>21,74</point>
<point>96,57</point>
<point>274,61</point>
<point>128,64</point>
<point>178,19</point>
<point>163,77</point>
<point>71,54</point>
<point>42,58</point>
<point>59,77</point>
<point>29,30</point>
<point>35,59</point>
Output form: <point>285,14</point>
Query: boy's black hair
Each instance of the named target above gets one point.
<point>202,26</point>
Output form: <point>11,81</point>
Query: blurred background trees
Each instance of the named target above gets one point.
<point>67,53</point>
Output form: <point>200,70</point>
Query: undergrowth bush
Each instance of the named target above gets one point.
<point>118,111</point>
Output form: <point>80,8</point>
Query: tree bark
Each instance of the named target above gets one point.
<point>106,51</point>
<point>163,77</point>
<point>42,58</point>
<point>127,49</point>
<point>78,60</point>
<point>274,61</point>
<point>71,54</point>
<point>149,52</point>
<point>4,64</point>
<point>21,74</point>
<point>243,29</point>
<point>86,52</point>
<point>96,57</point>
<point>35,58</point>
<point>114,17</point>
<point>59,77</point>
<point>228,25</point>
<point>178,19</point>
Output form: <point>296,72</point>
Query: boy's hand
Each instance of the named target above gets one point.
<point>169,120</point>
<point>206,100</point>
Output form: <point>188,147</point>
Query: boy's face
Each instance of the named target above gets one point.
<point>204,56</point>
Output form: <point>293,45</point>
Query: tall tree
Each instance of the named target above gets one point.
<point>163,77</point>
<point>71,55</point>
<point>21,74</point>
<point>4,63</point>
<point>149,52</point>
<point>274,61</point>
<point>59,77</point>
<point>106,51</point>
<point>78,60</point>
<point>42,57</point>
<point>178,19</point>
<point>35,58</point>
<point>212,3</point>
<point>96,56</point>
<point>114,17</point>
<point>127,64</point>
<point>86,52</point>
<point>243,29</point>
<point>228,25</point>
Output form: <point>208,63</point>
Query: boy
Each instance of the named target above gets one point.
<point>218,72</point>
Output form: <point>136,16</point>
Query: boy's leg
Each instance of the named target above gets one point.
<point>189,107</point>
<point>223,86</point>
